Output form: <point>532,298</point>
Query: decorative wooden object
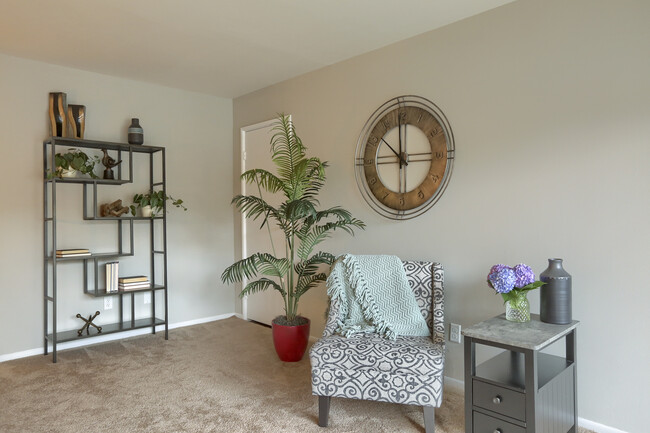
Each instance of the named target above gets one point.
<point>113,209</point>
<point>77,120</point>
<point>88,324</point>
<point>58,110</point>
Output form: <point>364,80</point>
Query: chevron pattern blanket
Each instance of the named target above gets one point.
<point>374,296</point>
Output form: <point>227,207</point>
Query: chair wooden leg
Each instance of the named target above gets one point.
<point>323,410</point>
<point>429,419</point>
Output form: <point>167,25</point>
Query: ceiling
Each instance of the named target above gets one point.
<point>225,48</point>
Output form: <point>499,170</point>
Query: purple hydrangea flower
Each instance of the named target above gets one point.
<point>497,268</point>
<point>524,275</point>
<point>502,278</point>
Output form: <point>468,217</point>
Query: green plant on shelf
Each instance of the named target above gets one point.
<point>74,160</point>
<point>155,200</point>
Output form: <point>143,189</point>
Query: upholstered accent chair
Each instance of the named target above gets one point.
<point>408,370</point>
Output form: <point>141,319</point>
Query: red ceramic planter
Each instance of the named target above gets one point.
<point>291,341</point>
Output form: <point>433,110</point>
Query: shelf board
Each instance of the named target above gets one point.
<point>110,328</point>
<point>80,180</point>
<point>93,256</point>
<point>124,218</point>
<point>508,369</point>
<point>103,292</point>
<point>93,144</point>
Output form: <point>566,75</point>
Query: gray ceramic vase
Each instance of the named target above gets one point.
<point>135,132</point>
<point>555,295</point>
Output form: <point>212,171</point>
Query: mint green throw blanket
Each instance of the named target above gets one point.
<point>374,296</point>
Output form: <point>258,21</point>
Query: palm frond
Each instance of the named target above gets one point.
<point>253,206</point>
<point>258,263</point>
<point>261,285</point>
<point>286,225</point>
<point>310,266</point>
<point>244,268</point>
<point>272,266</point>
<point>266,179</point>
<point>316,178</point>
<point>318,233</point>
<point>299,209</point>
<point>307,282</point>
<point>307,171</point>
<point>286,147</point>
<point>336,212</point>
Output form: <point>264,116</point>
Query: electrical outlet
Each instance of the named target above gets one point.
<point>147,297</point>
<point>108,302</point>
<point>454,333</point>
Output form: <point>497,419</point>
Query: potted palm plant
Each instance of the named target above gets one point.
<point>299,180</point>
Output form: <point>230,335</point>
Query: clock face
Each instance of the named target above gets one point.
<point>404,157</point>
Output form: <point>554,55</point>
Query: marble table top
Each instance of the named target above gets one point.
<point>533,335</point>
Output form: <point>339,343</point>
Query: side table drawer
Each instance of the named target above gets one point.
<point>499,400</point>
<point>487,424</point>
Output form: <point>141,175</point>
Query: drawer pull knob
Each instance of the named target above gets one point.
<point>497,430</point>
<point>497,400</point>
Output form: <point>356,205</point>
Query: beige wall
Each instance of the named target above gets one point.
<point>195,129</point>
<point>548,101</point>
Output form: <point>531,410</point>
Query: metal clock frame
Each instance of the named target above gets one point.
<point>388,106</point>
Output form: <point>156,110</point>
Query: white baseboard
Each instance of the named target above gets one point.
<point>203,320</point>
<point>113,337</point>
<point>454,384</point>
<point>458,386</point>
<point>597,427</point>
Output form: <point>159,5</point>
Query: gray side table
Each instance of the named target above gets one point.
<point>520,390</point>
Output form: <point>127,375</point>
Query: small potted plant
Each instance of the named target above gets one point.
<point>73,161</point>
<point>514,284</point>
<point>151,203</point>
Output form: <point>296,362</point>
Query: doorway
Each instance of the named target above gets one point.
<point>263,306</point>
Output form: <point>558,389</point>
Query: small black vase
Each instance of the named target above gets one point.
<point>136,134</point>
<point>555,295</point>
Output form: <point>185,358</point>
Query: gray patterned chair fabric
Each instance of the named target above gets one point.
<point>408,370</point>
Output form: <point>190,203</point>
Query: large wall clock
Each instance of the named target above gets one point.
<point>404,157</point>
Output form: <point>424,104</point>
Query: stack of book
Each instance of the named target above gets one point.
<point>111,276</point>
<point>75,252</point>
<point>136,282</point>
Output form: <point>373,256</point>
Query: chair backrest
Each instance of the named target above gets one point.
<point>427,282</point>
<point>426,279</point>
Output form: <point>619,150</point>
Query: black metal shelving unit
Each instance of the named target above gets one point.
<point>50,284</point>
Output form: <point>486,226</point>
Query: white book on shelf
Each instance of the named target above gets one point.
<point>108,277</point>
<point>111,276</point>
<point>114,277</point>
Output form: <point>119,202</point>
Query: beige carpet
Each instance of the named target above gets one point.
<point>217,377</point>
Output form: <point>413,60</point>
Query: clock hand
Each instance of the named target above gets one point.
<point>399,134</point>
<point>401,160</point>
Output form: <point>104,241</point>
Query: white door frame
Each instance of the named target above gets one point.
<point>244,252</point>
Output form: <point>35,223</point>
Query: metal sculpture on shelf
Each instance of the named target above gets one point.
<point>88,324</point>
<point>109,163</point>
